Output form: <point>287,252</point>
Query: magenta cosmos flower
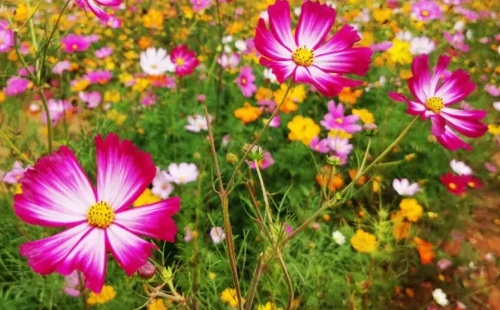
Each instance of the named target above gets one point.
<point>95,7</point>
<point>246,81</point>
<point>335,119</point>
<point>74,43</point>
<point>434,97</point>
<point>303,56</point>
<point>426,10</point>
<point>185,60</point>
<point>57,193</point>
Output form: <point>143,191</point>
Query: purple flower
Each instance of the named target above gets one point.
<point>267,105</point>
<point>73,43</point>
<point>61,66</point>
<point>341,148</point>
<point>229,62</point>
<point>98,77</point>
<point>444,264</point>
<point>492,90</point>
<point>149,99</point>
<point>16,85</point>
<point>320,146</point>
<point>13,176</point>
<point>189,234</point>
<point>457,41</point>
<point>92,38</point>
<point>246,81</point>
<point>72,284</point>
<point>113,22</point>
<point>426,10</point>
<point>217,234</point>
<point>335,119</point>
<point>92,99</point>
<point>490,167</point>
<point>103,52</point>
<point>57,109</point>
<point>6,40</point>
<point>266,161</point>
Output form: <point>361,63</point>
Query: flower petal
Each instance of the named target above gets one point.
<point>130,251</point>
<point>268,45</point>
<point>281,69</point>
<point>465,114</point>
<point>45,255</point>
<point>439,70</point>
<point>123,172</point>
<point>280,24</point>
<point>56,192</point>
<point>414,108</point>
<point>153,220</point>
<point>89,257</point>
<point>352,60</point>
<point>315,22</point>
<point>438,124</point>
<point>342,40</point>
<point>471,129</point>
<point>328,84</point>
<point>451,141</point>
<point>456,88</point>
<point>419,83</point>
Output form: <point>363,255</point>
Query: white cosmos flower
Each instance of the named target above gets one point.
<point>161,186</point>
<point>182,173</point>
<point>421,45</point>
<point>460,167</point>
<point>404,188</point>
<point>197,123</point>
<point>156,61</point>
<point>440,297</point>
<point>338,237</point>
<point>217,234</point>
<point>269,75</point>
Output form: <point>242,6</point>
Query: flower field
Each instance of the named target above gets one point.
<point>268,154</point>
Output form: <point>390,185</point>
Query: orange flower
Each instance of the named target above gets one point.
<point>248,113</point>
<point>401,228</point>
<point>425,251</point>
<point>349,96</point>
<point>324,178</point>
<point>352,175</point>
<point>144,43</point>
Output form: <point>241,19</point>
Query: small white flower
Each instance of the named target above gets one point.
<point>460,167</point>
<point>496,104</point>
<point>421,45</point>
<point>338,237</point>
<point>440,297</point>
<point>489,257</point>
<point>182,173</point>
<point>404,188</point>
<point>404,35</point>
<point>269,75</point>
<point>227,39</point>
<point>297,11</point>
<point>240,45</point>
<point>161,186</point>
<point>156,61</point>
<point>469,35</point>
<point>197,123</point>
<point>227,49</point>
<point>459,26</point>
<point>217,234</point>
<point>265,16</point>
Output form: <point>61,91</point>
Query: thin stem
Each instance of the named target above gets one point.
<point>15,149</point>
<point>255,282</point>
<point>212,149</point>
<point>360,173</point>
<point>82,291</point>
<point>288,280</point>
<point>264,192</point>
<point>257,139</point>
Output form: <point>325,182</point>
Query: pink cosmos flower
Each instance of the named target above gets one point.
<point>72,284</point>
<point>184,59</point>
<point>199,5</point>
<point>434,97</point>
<point>335,119</point>
<point>57,193</point>
<point>217,234</point>
<point>189,234</point>
<point>492,90</point>
<point>98,77</point>
<point>246,81</point>
<point>457,40</point>
<point>16,85</point>
<point>266,161</point>
<point>382,46</point>
<point>13,176</point>
<point>95,7</point>
<point>103,52</point>
<point>340,148</point>
<point>73,43</point>
<point>6,40</point>
<point>229,62</point>
<point>303,56</point>
<point>148,99</point>
<point>321,146</point>
<point>61,66</point>
<point>58,109</point>
<point>92,99</point>
<point>113,22</point>
<point>426,10</point>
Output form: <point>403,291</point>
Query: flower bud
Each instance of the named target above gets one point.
<point>256,153</point>
<point>370,129</point>
<point>146,271</point>
<point>231,158</point>
<point>410,157</point>
<point>334,160</point>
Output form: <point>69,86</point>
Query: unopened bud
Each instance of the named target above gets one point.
<point>231,158</point>
<point>410,157</point>
<point>167,274</point>
<point>370,129</point>
<point>256,153</point>
<point>201,98</point>
<point>196,155</point>
<point>146,271</point>
<point>333,160</point>
<point>383,214</point>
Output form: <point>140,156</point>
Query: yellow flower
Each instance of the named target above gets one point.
<point>268,306</point>
<point>80,85</point>
<point>295,95</point>
<point>364,242</point>
<point>145,198</point>
<point>108,293</point>
<point>22,13</point>
<point>140,85</point>
<point>187,11</point>
<point>494,129</point>
<point>109,64</point>
<point>401,228</point>
<point>116,117</point>
<point>411,209</point>
<point>367,39</point>
<point>2,96</point>
<point>153,19</point>
<point>144,42</point>
<point>405,74</point>
<point>303,129</point>
<point>131,55</point>
<point>263,93</point>
<point>364,115</point>
<point>212,275</point>
<point>382,15</point>
<point>339,133</point>
<point>229,296</point>
<point>125,77</point>
<point>235,27</point>
<point>157,304</point>
<point>400,52</point>
<point>19,190</point>
<point>112,96</point>
<point>247,113</point>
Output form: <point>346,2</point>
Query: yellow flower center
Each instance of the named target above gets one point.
<point>471,184</point>
<point>74,46</point>
<point>424,13</point>
<point>452,186</point>
<point>434,104</point>
<point>243,81</point>
<point>154,66</point>
<point>179,61</point>
<point>303,56</point>
<point>100,214</point>
<point>339,120</point>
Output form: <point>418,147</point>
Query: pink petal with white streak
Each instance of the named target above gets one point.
<point>465,114</point>
<point>414,108</point>
<point>439,70</point>
<point>456,88</point>
<point>123,172</point>
<point>438,124</point>
<point>45,255</point>
<point>88,256</point>
<point>352,60</point>
<point>315,22</point>
<point>154,220</point>
<point>56,192</point>
<point>268,45</point>
<point>419,83</point>
<point>471,129</point>
<point>280,24</point>
<point>451,141</point>
<point>130,251</point>
<point>342,40</point>
<point>281,69</point>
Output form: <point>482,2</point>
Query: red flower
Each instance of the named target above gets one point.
<point>455,184</point>
<point>472,182</point>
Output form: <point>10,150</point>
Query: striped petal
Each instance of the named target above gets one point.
<point>268,45</point>
<point>451,141</point>
<point>130,251</point>
<point>56,192</point>
<point>45,255</point>
<point>154,220</point>
<point>456,88</point>
<point>471,129</point>
<point>439,70</point>
<point>88,256</point>
<point>280,24</point>
<point>414,108</point>
<point>281,69</point>
<point>342,40</point>
<point>419,83</point>
<point>315,22</point>
<point>329,85</point>
<point>438,124</point>
<point>123,172</point>
<point>465,114</point>
<point>351,60</point>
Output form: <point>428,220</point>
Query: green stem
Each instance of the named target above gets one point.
<point>15,149</point>
<point>264,192</point>
<point>82,291</point>
<point>288,280</point>
<point>257,139</point>
<point>255,282</point>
